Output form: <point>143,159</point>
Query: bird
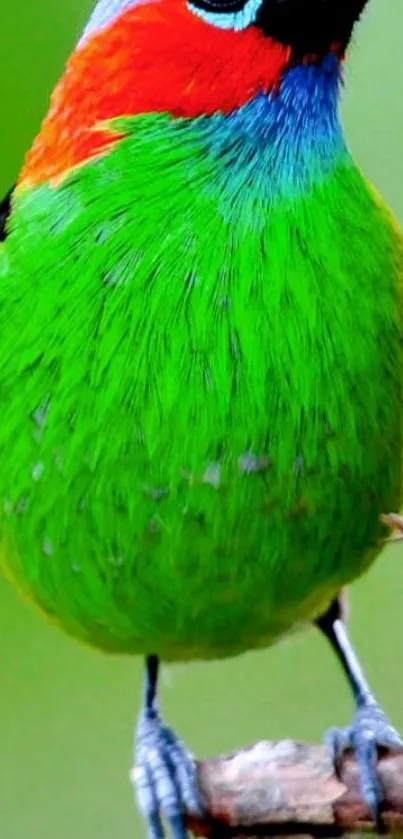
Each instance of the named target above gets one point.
<point>200,356</point>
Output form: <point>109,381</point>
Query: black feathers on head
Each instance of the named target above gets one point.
<point>310,26</point>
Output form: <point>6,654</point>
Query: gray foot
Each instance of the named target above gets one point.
<point>164,777</point>
<point>369,733</point>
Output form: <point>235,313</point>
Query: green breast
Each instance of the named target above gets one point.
<point>200,411</point>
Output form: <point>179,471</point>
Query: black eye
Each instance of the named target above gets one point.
<point>227,14</point>
<point>219,6</point>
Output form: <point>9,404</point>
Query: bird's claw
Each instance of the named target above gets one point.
<point>369,732</point>
<point>164,777</point>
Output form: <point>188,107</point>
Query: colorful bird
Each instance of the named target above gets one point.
<point>200,353</point>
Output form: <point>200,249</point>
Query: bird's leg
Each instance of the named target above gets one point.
<point>164,773</point>
<point>370,729</point>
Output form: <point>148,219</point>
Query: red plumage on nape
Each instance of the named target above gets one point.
<point>156,57</point>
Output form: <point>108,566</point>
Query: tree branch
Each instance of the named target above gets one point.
<point>286,788</point>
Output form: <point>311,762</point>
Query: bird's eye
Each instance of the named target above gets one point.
<point>227,14</point>
<point>220,6</point>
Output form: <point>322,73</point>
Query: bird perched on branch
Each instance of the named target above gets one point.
<point>200,353</point>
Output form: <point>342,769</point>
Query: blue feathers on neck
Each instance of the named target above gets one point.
<point>292,138</point>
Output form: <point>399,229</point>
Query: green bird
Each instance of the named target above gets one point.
<point>200,354</point>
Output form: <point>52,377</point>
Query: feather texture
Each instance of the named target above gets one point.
<point>122,70</point>
<point>200,377</point>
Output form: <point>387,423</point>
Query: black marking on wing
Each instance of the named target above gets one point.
<point>5,207</point>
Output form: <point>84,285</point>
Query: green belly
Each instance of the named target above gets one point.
<point>196,447</point>
<point>204,564</point>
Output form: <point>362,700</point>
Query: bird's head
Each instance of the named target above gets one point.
<point>185,58</point>
<point>308,27</point>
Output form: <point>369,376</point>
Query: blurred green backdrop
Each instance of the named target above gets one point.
<point>66,713</point>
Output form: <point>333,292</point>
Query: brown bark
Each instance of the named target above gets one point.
<point>286,788</point>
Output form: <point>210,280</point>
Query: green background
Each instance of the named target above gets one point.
<point>66,713</point>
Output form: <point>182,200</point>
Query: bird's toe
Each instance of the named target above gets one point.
<point>369,733</point>
<point>164,778</point>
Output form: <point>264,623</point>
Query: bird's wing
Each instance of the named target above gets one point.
<point>5,207</point>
